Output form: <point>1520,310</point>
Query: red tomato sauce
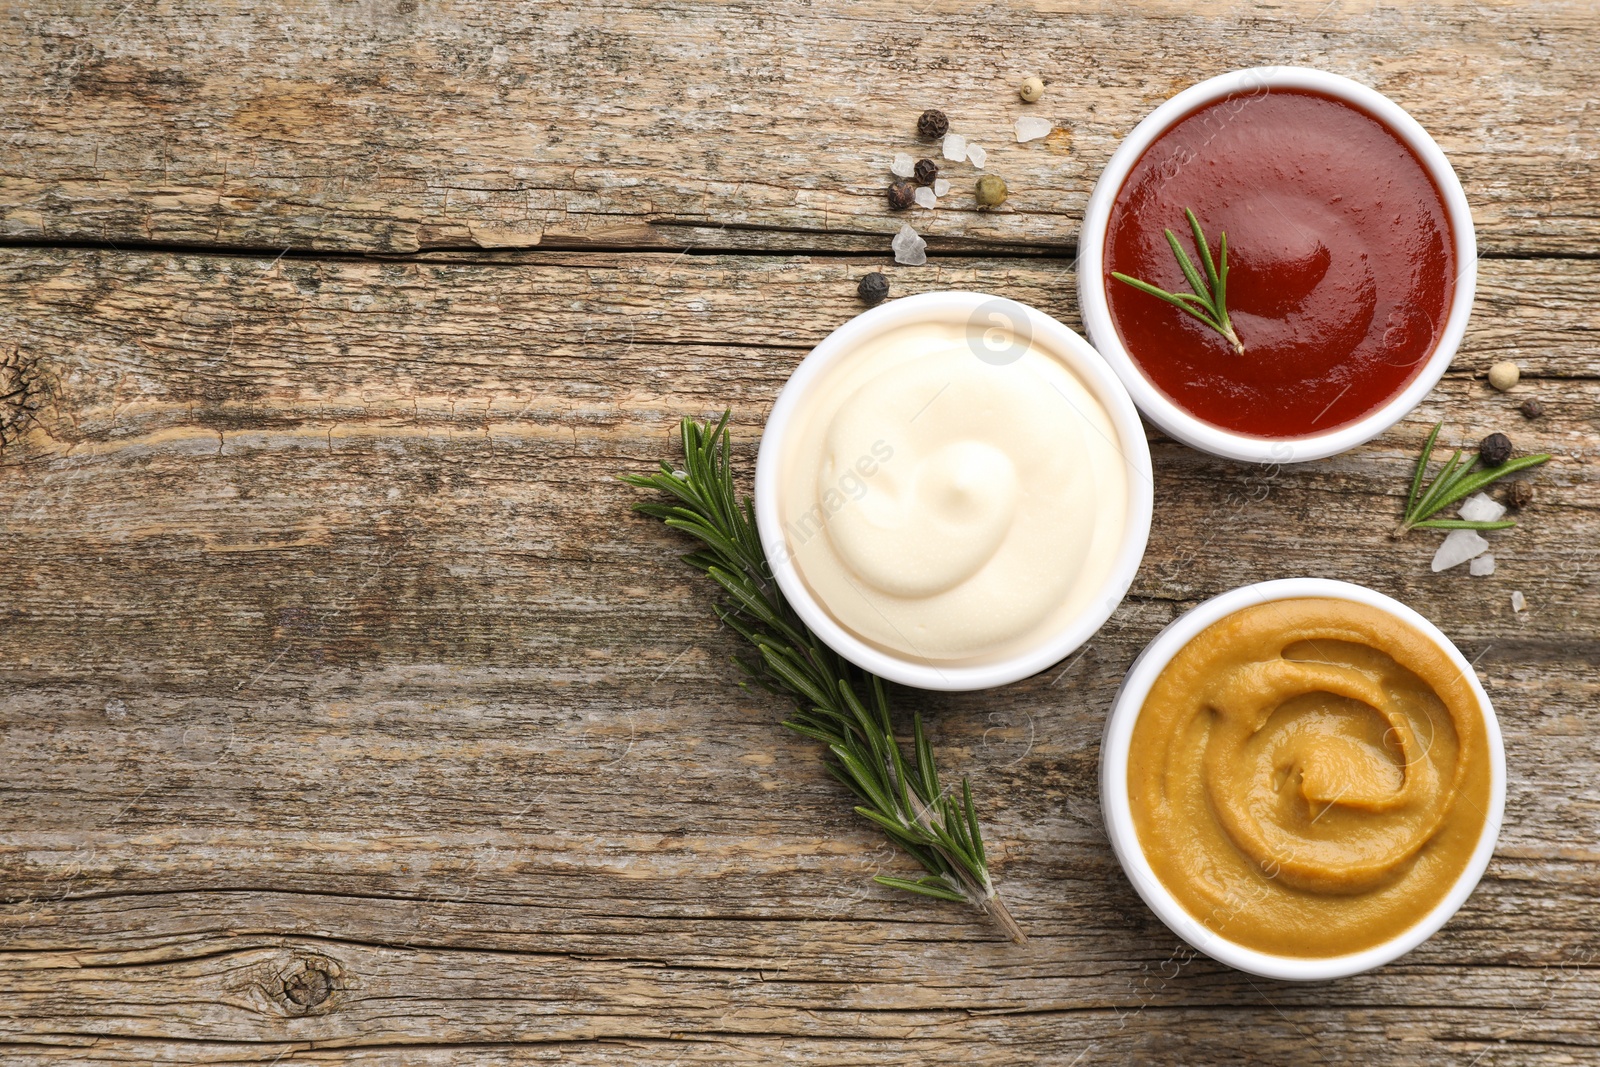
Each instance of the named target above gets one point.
<point>1341,258</point>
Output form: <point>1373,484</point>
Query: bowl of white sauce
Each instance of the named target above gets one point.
<point>954,491</point>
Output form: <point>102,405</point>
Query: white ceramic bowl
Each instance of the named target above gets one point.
<point>1046,334</point>
<point>1152,401</point>
<point>1119,816</point>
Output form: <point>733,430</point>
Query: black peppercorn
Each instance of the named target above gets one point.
<point>927,171</point>
<point>902,194</point>
<point>933,124</point>
<point>872,288</point>
<point>1494,449</point>
<point>1519,495</point>
<point>1531,408</point>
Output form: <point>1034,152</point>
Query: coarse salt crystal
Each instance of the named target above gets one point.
<point>941,186</point>
<point>925,198</point>
<point>909,248</point>
<point>978,154</point>
<point>1518,601</point>
<point>1483,565</point>
<point>1458,547</point>
<point>1482,508</point>
<point>955,147</point>
<point>903,166</point>
<point>1030,128</point>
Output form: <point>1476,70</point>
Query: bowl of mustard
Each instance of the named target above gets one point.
<point>1303,778</point>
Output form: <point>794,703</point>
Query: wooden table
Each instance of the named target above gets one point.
<point>349,716</point>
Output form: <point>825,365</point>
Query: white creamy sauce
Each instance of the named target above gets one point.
<point>946,508</point>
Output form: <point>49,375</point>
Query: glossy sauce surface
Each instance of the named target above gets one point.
<point>947,508</point>
<point>1341,256</point>
<point>1309,777</point>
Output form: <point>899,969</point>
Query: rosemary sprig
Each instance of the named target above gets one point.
<point>1456,480</point>
<point>1209,301</point>
<point>835,703</point>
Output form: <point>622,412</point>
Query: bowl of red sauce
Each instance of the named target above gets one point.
<point>1350,264</point>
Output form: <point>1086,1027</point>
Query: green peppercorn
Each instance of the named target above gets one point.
<point>872,288</point>
<point>1519,495</point>
<point>927,170</point>
<point>932,124</point>
<point>902,194</point>
<point>991,190</point>
<point>1494,449</point>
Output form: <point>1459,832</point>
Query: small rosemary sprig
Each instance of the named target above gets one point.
<point>1209,301</point>
<point>1455,481</point>
<point>835,703</point>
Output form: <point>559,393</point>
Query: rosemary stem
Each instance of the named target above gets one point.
<point>981,895</point>
<point>901,795</point>
<point>997,912</point>
<point>1232,337</point>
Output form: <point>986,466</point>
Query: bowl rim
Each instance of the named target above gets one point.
<point>1117,810</point>
<point>1161,410</point>
<point>956,305</point>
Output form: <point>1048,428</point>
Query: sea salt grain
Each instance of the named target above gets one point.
<point>1483,565</point>
<point>909,248</point>
<point>1482,508</point>
<point>903,166</point>
<point>1518,602</point>
<point>978,155</point>
<point>940,186</point>
<point>955,147</point>
<point>1458,547</point>
<point>925,197</point>
<point>1031,129</point>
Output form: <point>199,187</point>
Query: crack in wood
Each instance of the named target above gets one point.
<point>21,393</point>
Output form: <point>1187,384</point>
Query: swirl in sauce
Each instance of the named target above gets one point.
<point>1309,777</point>
<point>946,508</point>
<point>1341,257</point>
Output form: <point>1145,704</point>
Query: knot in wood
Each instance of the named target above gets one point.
<point>307,984</point>
<point>308,988</point>
<point>20,393</point>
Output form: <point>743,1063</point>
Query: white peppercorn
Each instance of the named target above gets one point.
<point>1504,375</point>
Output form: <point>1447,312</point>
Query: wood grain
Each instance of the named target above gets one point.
<point>333,649</point>
<point>348,715</point>
<point>389,125</point>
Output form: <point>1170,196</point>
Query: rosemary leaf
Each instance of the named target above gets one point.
<point>895,827</point>
<point>1186,265</point>
<point>1463,524</point>
<point>1205,252</point>
<point>924,753</point>
<point>927,887</point>
<point>972,821</point>
<point>1441,485</point>
<point>1181,301</point>
<point>837,705</point>
<point>1471,482</point>
<point>1219,279</point>
<point>1422,466</point>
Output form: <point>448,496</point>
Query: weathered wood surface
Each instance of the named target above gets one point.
<point>347,717</point>
<point>394,125</point>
